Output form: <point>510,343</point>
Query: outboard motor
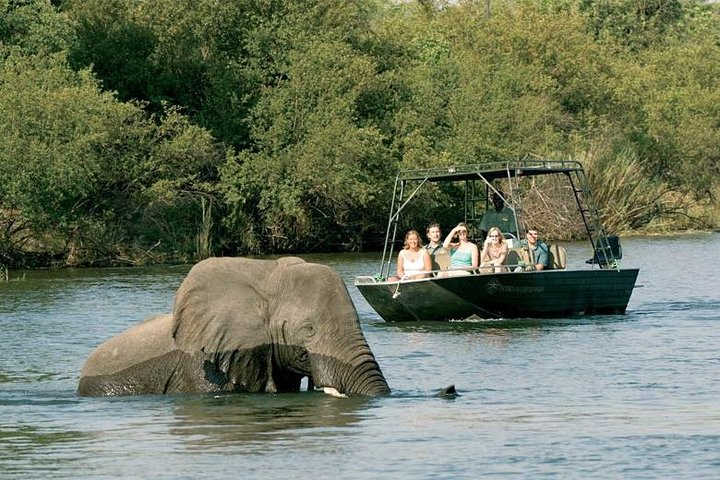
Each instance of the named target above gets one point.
<point>607,249</point>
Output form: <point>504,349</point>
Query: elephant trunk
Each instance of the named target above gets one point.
<point>367,380</point>
<point>354,372</point>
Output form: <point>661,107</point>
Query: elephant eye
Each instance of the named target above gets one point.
<point>307,331</point>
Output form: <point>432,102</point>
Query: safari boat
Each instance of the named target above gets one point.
<point>599,286</point>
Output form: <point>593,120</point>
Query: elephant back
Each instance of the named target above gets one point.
<point>139,343</point>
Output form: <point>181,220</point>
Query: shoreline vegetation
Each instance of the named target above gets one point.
<point>136,132</point>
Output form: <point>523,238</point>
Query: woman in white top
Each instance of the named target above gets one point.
<point>494,252</point>
<point>413,261</point>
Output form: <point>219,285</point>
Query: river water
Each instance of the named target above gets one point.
<point>634,396</point>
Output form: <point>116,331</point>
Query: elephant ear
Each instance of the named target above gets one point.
<point>220,311</point>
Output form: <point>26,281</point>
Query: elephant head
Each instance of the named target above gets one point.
<point>263,325</point>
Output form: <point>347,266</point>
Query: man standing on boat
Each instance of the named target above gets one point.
<point>501,217</point>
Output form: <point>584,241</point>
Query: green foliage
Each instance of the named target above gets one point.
<point>52,122</point>
<point>683,115</point>
<point>630,200</point>
<point>483,89</point>
<point>91,173</point>
<point>159,129</point>
<point>115,46</point>
<point>304,189</point>
<point>636,24</point>
<point>213,58</point>
<point>175,187</point>
<point>34,26</point>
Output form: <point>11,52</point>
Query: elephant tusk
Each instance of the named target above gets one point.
<point>333,392</point>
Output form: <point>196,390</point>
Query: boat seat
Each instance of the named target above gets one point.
<point>512,259</point>
<point>516,257</point>
<point>558,257</point>
<point>441,260</point>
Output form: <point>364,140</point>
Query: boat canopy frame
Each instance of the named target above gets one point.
<point>605,247</point>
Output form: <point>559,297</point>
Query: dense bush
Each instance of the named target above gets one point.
<point>153,130</point>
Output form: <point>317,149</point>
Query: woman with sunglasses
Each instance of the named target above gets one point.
<point>463,253</point>
<point>495,251</point>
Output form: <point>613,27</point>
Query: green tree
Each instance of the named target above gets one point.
<point>95,178</point>
<point>315,173</point>
<point>288,120</point>
<point>484,89</point>
<point>682,112</point>
<point>637,24</point>
<point>34,26</point>
<point>53,123</point>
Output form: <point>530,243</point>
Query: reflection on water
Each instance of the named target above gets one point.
<point>224,421</point>
<point>628,396</point>
<point>503,325</point>
<point>18,440</point>
<point>28,443</point>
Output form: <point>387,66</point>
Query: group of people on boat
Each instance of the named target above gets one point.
<point>415,260</point>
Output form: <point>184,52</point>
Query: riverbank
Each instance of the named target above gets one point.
<point>56,262</point>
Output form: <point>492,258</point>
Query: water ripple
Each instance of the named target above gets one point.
<point>631,396</point>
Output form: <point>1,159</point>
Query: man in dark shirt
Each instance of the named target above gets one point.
<point>501,217</point>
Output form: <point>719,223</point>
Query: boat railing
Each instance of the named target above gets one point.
<point>454,272</point>
<point>361,279</point>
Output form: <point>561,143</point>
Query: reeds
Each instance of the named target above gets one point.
<point>628,200</point>
<point>631,200</point>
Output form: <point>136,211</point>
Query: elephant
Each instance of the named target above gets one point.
<point>243,325</point>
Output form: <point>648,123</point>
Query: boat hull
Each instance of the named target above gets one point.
<point>542,294</point>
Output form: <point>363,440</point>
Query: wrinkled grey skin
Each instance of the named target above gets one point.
<point>242,325</point>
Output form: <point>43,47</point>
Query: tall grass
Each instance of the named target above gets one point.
<point>630,200</point>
